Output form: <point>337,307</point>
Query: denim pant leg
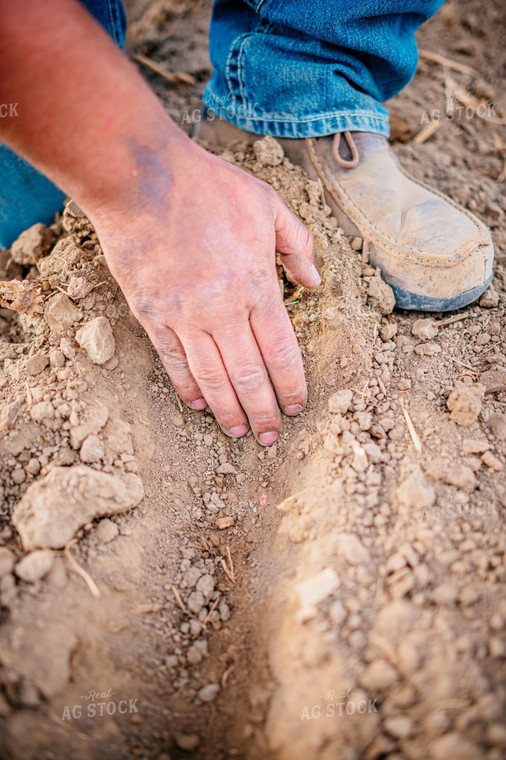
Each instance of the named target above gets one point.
<point>26,196</point>
<point>295,68</point>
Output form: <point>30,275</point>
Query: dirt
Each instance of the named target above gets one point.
<point>167,592</point>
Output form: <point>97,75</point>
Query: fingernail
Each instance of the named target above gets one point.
<point>292,409</point>
<point>200,403</point>
<point>268,438</point>
<point>316,274</point>
<point>238,430</point>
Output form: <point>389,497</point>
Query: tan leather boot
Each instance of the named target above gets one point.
<point>434,254</point>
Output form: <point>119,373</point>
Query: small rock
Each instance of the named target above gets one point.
<point>378,676</point>
<point>388,331</point>
<point>337,613</point>
<point>208,693</point>
<point>427,349</point>
<point>340,402</point>
<point>491,461</point>
<point>60,313</point>
<point>380,295</point>
<point>195,602</point>
<point>18,476</point>
<point>268,151</point>
<point>497,424</point>
<point>490,298</point>
<point>465,402</point>
<point>446,594</point>
<point>7,561</point>
<point>187,742</point>
<point>474,446</point>
<point>92,449</point>
<point>415,492</point>
<point>97,340</point>
<point>46,517</point>
<point>79,287</point>
<point>42,411</point>
<point>36,364</point>
<point>56,358</point>
<point>205,585</point>
<point>89,421</point>
<point>494,380</point>
<point>400,727</point>
<point>32,244</point>
<point>460,476</point>
<point>350,547</point>
<point>425,329</point>
<point>35,566</point>
<point>106,531</point>
<point>317,588</point>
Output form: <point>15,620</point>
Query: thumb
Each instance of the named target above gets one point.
<point>294,244</point>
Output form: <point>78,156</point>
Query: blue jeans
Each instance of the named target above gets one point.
<point>290,68</point>
<point>287,68</point>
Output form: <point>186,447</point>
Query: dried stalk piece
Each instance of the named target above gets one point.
<point>22,297</point>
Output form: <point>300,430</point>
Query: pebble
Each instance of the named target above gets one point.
<point>491,461</point>
<point>60,313</point>
<point>378,676</point>
<point>56,358</point>
<point>205,585</point>
<point>415,492</point>
<point>36,364</point>
<point>268,151</point>
<point>461,476</point>
<point>388,331</point>
<point>465,402</point>
<point>32,244</point>
<point>490,298</point>
<point>424,329</point>
<point>18,476</point>
<point>187,742</point>
<point>494,380</point>
<point>427,349</point>
<point>44,410</point>
<point>497,424</point>
<point>92,449</point>
<point>196,601</point>
<point>340,402</point>
<point>106,531</point>
<point>318,587</point>
<point>380,295</point>
<point>208,693</point>
<point>446,594</point>
<point>97,339</point>
<point>474,445</point>
<point>400,727</point>
<point>35,565</point>
<point>349,547</point>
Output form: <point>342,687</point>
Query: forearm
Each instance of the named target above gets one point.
<point>86,118</point>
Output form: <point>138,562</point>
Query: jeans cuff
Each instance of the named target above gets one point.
<point>251,119</point>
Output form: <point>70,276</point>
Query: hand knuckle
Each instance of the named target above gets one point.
<point>211,377</point>
<point>248,377</point>
<point>284,356</point>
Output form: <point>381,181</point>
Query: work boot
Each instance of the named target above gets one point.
<point>435,255</point>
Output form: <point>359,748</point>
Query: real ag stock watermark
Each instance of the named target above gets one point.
<point>99,704</point>
<point>461,109</point>
<point>336,704</point>
<point>8,110</point>
<point>457,511</point>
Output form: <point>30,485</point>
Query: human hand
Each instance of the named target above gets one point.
<point>195,258</point>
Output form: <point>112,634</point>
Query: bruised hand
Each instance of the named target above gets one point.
<point>193,248</point>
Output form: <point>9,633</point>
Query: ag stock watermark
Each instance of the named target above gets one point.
<point>99,704</point>
<point>8,110</point>
<point>336,704</point>
<point>453,108</point>
<point>456,511</point>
